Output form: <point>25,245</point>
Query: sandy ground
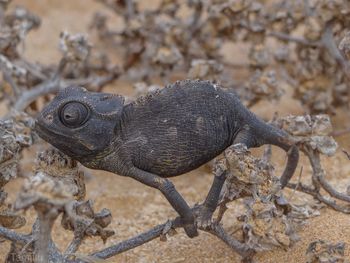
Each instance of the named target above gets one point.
<point>136,208</point>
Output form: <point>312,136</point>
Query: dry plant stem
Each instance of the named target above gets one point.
<point>55,85</point>
<point>131,243</point>
<point>27,240</point>
<point>311,191</point>
<point>42,251</point>
<point>267,153</point>
<point>31,95</point>
<point>222,209</point>
<point>329,43</point>
<point>329,189</point>
<point>79,234</point>
<point>13,236</point>
<point>319,174</point>
<point>333,204</point>
<point>130,9</point>
<point>303,188</point>
<point>33,69</point>
<point>294,190</point>
<point>54,254</point>
<point>346,153</point>
<point>196,18</point>
<point>341,132</point>
<point>8,78</point>
<point>46,221</point>
<point>43,88</point>
<point>298,40</point>
<point>235,65</point>
<point>74,245</point>
<point>215,229</point>
<point>61,65</point>
<point>242,249</point>
<point>319,182</point>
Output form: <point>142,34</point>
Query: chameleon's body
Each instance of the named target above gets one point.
<point>164,134</point>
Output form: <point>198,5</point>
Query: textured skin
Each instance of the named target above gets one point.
<point>185,119</point>
<point>164,134</point>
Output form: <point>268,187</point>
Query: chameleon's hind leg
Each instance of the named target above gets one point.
<point>205,211</point>
<point>168,190</point>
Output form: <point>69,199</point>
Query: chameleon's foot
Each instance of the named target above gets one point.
<point>203,217</point>
<point>191,230</point>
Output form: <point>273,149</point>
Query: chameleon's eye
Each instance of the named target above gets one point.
<point>74,114</point>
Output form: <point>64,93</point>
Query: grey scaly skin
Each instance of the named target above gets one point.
<point>163,134</point>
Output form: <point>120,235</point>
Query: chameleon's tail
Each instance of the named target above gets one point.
<point>254,132</point>
<point>269,134</point>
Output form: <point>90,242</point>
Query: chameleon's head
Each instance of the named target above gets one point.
<point>80,123</point>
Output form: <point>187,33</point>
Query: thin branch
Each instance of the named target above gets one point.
<point>297,184</point>
<point>333,204</point>
<point>340,132</point>
<point>329,43</point>
<point>31,95</point>
<point>332,192</point>
<point>346,153</point>
<point>319,173</point>
<point>328,201</point>
<point>298,40</point>
<point>53,86</point>
<point>49,86</point>
<point>34,69</point>
<point>319,182</point>
<point>302,188</point>
<point>131,243</point>
<point>195,23</point>
<point>267,153</point>
<point>41,246</point>
<point>244,250</point>
<point>46,219</point>
<point>222,209</point>
<point>130,11</point>
<point>13,236</point>
<point>74,245</point>
<point>215,229</point>
<point>79,233</point>
<point>235,65</point>
<point>9,79</point>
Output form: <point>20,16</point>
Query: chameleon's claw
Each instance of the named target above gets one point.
<point>191,230</point>
<point>203,217</point>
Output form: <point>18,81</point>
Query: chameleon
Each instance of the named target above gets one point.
<point>162,134</point>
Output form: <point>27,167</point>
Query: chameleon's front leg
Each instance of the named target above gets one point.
<point>170,193</point>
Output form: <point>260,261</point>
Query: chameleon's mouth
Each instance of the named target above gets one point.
<point>62,141</point>
<point>58,140</point>
<point>40,130</point>
<point>48,134</point>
